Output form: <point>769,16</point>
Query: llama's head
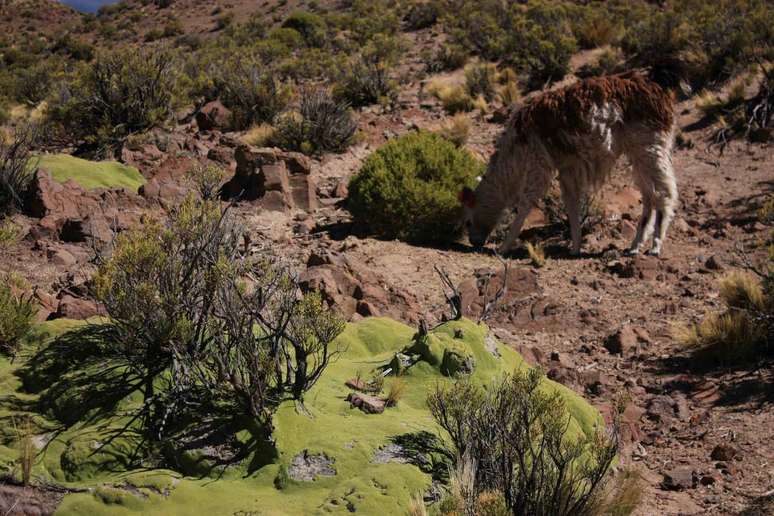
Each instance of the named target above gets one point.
<point>478,226</point>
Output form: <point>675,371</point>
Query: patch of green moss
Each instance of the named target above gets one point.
<point>91,174</point>
<point>324,424</point>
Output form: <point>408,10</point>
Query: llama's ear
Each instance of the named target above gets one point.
<point>467,197</point>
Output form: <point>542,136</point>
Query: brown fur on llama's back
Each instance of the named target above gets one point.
<point>552,114</point>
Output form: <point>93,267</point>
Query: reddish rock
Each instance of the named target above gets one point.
<point>679,478</point>
<point>60,257</point>
<point>723,452</point>
<point>214,115</point>
<point>76,308</point>
<point>221,155</point>
<point>92,229</point>
<point>627,340</point>
<point>354,290</point>
<point>366,403</point>
<point>275,179</point>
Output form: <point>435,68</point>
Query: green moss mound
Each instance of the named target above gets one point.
<point>325,426</point>
<point>409,188</point>
<point>91,174</point>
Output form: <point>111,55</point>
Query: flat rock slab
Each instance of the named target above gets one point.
<point>366,403</point>
<point>307,467</point>
<point>390,453</point>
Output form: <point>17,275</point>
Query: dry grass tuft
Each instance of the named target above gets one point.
<point>456,129</point>
<point>537,254</point>
<point>258,135</point>
<point>24,435</point>
<point>417,506</point>
<point>625,496</point>
<point>453,97</point>
<point>395,392</point>
<point>743,291</point>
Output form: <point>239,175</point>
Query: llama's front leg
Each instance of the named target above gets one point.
<point>644,227</point>
<point>514,230</point>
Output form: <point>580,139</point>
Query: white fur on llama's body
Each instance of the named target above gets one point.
<point>521,170</point>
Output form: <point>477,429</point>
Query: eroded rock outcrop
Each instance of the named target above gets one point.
<point>275,179</point>
<point>353,289</point>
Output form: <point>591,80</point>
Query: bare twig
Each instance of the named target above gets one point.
<point>490,305</point>
<point>453,299</point>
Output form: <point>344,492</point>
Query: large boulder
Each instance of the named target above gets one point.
<point>73,213</point>
<point>277,180</point>
<point>214,115</point>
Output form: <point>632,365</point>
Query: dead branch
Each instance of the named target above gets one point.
<point>490,305</point>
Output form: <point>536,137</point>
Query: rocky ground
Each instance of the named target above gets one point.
<point>602,323</point>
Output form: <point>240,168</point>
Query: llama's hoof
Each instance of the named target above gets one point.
<point>631,252</point>
<point>575,253</point>
<point>653,252</point>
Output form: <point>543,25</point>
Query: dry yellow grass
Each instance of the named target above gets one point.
<point>742,290</point>
<point>537,254</point>
<point>395,392</point>
<point>453,96</point>
<point>509,93</point>
<point>417,506</point>
<point>258,135</point>
<point>456,129</point>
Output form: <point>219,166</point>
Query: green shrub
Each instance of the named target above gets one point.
<point>444,58</point>
<point>17,313</point>
<point>251,91</point>
<point>16,166</point>
<point>701,42</point>
<point>536,37</point>
<point>366,78</point>
<point>119,94</point>
<point>408,188</point>
<point>312,27</point>
<point>320,124</point>
<point>190,334</point>
<point>422,14</point>
<point>34,83</point>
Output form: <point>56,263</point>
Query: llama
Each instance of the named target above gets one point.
<point>579,132</point>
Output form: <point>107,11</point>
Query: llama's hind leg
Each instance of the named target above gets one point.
<point>644,227</point>
<point>571,200</point>
<point>665,212</point>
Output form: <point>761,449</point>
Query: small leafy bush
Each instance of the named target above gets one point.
<point>422,14</point>
<point>312,27</point>
<point>445,58</point>
<point>192,322</point>
<point>408,188</point>
<point>320,124</point>
<point>17,313</point>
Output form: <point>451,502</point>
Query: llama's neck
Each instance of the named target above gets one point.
<point>503,183</point>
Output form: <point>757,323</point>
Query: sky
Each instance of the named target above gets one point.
<point>88,6</point>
